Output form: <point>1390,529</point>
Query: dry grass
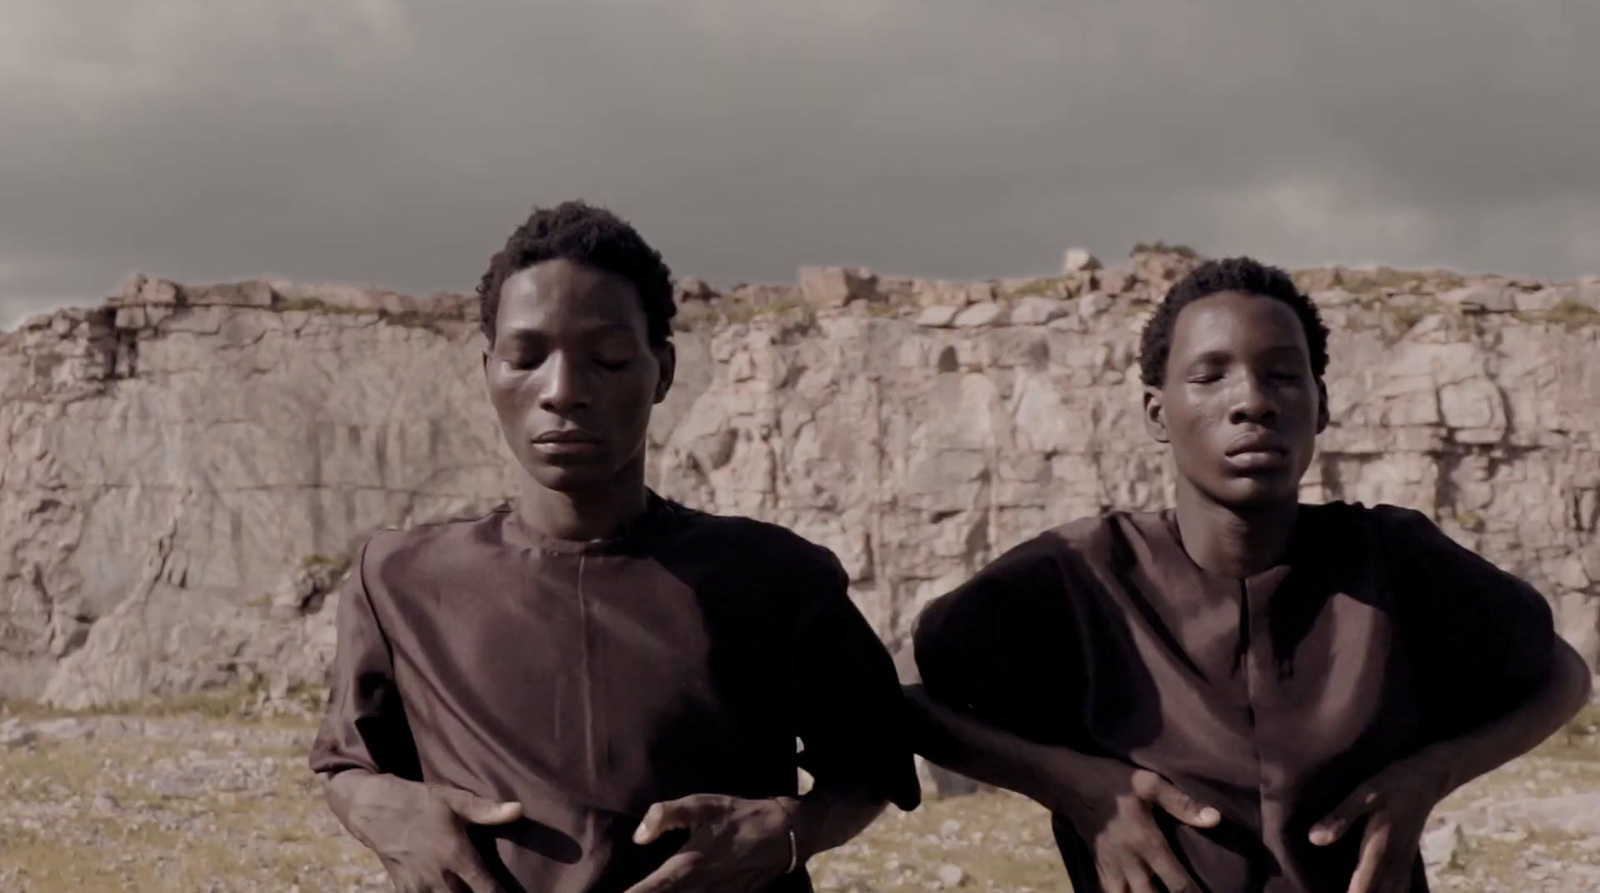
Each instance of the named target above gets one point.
<point>213,801</point>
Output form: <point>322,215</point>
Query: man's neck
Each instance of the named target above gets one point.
<point>579,516</point>
<point>1233,543</point>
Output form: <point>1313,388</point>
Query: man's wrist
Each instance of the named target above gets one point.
<point>1058,778</point>
<point>792,809</point>
<point>1442,764</point>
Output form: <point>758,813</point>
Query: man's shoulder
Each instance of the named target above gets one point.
<point>423,540</point>
<point>1105,535</point>
<point>743,540</point>
<point>1380,519</point>
<point>1096,539</point>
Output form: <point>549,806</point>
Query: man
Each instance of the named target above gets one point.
<point>592,688</point>
<point>1242,694</point>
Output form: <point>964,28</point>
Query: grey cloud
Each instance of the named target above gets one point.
<point>398,143</point>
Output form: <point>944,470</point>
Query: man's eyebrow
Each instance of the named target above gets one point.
<point>1219,355</point>
<point>1210,357</point>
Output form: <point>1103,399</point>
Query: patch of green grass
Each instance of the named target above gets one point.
<point>316,560</point>
<point>414,319</point>
<point>236,702</point>
<point>1046,286</point>
<point>312,305</point>
<point>741,310</point>
<point>1380,279</point>
<point>1160,247</point>
<point>1571,314</point>
<point>882,308</point>
<point>1407,316</point>
<point>50,866</point>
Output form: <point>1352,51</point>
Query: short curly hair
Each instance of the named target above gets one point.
<point>590,235</point>
<point>1240,274</point>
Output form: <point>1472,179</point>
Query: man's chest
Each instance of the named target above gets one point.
<point>596,677</point>
<point>1257,684</point>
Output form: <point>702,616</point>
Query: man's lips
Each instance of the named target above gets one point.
<point>1257,444</point>
<point>567,436</point>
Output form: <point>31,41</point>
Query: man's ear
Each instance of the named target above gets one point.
<point>1323,418</point>
<point>1155,416</point>
<point>667,362</point>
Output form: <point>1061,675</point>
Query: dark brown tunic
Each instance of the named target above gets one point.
<point>589,680</point>
<point>1269,698</point>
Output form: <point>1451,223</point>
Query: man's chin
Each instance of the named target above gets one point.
<point>1247,493</point>
<point>571,478</point>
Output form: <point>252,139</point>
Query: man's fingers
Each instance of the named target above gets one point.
<point>468,868</point>
<point>1110,879</point>
<point>476,878</point>
<point>1394,874</point>
<point>674,874</point>
<point>1374,844</point>
<point>1181,806</point>
<point>1173,876</point>
<point>675,815</point>
<point>1138,881</point>
<point>478,810</point>
<point>1354,806</point>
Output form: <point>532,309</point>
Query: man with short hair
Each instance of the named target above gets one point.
<point>591,687</point>
<point>1241,693</point>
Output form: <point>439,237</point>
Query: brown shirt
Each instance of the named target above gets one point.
<point>589,680</point>
<point>1269,698</point>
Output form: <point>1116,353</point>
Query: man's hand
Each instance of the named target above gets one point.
<point>1112,806</point>
<point>419,831</point>
<point>1396,803</point>
<point>734,845</point>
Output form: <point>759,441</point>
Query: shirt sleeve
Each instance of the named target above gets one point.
<point>851,711</point>
<point>363,725</point>
<point>1480,638</point>
<point>998,647</point>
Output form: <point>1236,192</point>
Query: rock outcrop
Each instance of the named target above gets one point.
<point>186,468</point>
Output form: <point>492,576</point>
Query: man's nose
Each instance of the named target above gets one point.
<point>1253,402</point>
<point>564,387</point>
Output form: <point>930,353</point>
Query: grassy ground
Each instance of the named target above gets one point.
<point>205,800</point>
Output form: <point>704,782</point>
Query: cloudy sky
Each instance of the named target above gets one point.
<point>398,142</point>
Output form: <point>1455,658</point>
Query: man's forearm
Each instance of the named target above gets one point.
<point>826,818</point>
<point>983,753</point>
<point>1563,693</point>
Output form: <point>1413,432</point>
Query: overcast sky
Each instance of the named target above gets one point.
<point>398,142</point>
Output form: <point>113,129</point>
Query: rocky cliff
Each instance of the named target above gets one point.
<point>186,468</point>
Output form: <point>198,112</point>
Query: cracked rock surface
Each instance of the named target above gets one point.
<point>174,461</point>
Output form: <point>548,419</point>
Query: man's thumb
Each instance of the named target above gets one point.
<point>1185,808</point>
<point>478,810</point>
<point>1339,821</point>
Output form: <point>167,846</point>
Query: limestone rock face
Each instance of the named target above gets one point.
<point>184,469</point>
